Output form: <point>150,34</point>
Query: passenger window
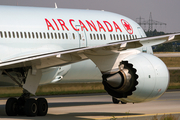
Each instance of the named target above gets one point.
<point>59,35</point>
<point>9,34</point>
<point>1,34</point>
<point>52,35</point>
<point>114,36</point>
<point>40,35</point>
<point>62,35</point>
<point>111,36</point>
<point>117,37</point>
<point>80,36</point>
<point>127,37</point>
<point>124,37</point>
<point>37,35</point>
<point>74,36</point>
<point>94,36</point>
<point>91,36</point>
<point>48,35</point>
<point>104,37</point>
<point>13,34</point>
<point>17,34</point>
<point>120,37</point>
<point>21,34</point>
<point>98,36</point>
<point>55,35</point>
<point>33,35</point>
<point>29,34</point>
<point>25,35</point>
<point>130,37</point>
<point>66,35</point>
<point>44,35</point>
<point>135,37</point>
<point>5,34</point>
<point>101,36</point>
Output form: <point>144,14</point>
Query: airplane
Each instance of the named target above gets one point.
<point>41,45</point>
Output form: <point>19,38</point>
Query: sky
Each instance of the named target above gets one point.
<point>165,11</point>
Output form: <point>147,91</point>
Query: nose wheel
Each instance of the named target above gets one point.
<point>28,107</point>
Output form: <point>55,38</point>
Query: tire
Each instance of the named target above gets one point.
<point>11,107</point>
<point>42,106</point>
<point>115,101</point>
<point>21,103</point>
<point>30,107</point>
<point>123,102</point>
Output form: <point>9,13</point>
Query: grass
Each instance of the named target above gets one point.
<point>65,88</point>
<point>174,86</point>
<point>171,61</point>
<point>165,117</point>
<point>113,118</point>
<point>174,76</point>
<point>56,89</point>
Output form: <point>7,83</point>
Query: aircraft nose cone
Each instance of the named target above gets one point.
<point>115,80</point>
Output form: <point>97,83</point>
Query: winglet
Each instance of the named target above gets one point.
<point>55,5</point>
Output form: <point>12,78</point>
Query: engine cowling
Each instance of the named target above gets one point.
<point>141,77</point>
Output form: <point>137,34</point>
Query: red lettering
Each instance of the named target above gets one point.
<point>70,21</point>
<point>91,25</point>
<point>82,25</point>
<point>62,23</point>
<point>107,23</point>
<point>49,24</point>
<point>55,24</point>
<point>116,26</point>
<point>100,26</point>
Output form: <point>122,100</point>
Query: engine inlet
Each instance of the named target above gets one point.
<point>122,83</point>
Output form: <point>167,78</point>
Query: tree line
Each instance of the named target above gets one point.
<point>166,47</point>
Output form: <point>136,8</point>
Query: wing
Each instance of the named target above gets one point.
<point>60,58</point>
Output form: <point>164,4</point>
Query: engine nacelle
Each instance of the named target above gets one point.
<point>141,77</point>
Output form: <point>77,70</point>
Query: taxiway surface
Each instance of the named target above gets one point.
<point>100,107</point>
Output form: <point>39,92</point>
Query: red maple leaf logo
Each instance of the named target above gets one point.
<point>127,26</point>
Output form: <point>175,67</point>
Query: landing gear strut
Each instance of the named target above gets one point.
<point>116,101</point>
<point>25,105</point>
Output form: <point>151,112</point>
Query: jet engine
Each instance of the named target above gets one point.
<point>141,77</point>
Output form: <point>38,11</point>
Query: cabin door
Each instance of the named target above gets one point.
<point>82,36</point>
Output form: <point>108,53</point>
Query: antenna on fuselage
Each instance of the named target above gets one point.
<point>56,5</point>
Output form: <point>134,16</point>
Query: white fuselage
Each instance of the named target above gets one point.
<point>26,31</point>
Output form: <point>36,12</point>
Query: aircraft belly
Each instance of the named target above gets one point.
<point>82,72</point>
